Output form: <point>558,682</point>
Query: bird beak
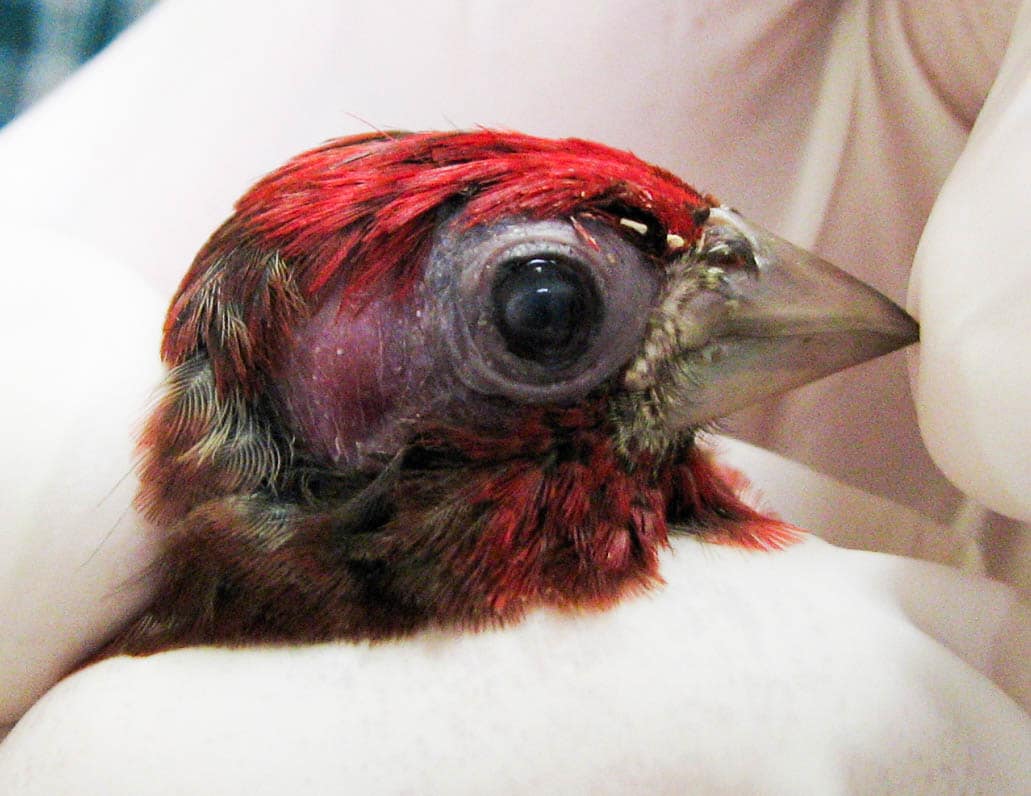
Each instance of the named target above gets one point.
<point>746,314</point>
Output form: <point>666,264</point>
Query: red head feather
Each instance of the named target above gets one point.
<point>373,195</point>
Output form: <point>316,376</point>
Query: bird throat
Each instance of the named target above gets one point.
<point>482,526</point>
<point>461,529</point>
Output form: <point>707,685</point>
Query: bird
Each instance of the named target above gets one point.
<point>438,380</point>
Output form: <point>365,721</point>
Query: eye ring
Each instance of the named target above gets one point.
<point>617,284</point>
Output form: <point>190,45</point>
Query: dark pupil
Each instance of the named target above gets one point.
<point>542,309</point>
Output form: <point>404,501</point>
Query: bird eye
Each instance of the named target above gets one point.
<point>545,309</point>
<point>540,311</point>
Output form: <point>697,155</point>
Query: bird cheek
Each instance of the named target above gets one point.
<point>346,373</point>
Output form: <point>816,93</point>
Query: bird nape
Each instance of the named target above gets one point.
<point>438,379</point>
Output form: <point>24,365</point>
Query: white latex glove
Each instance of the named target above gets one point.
<point>810,671</point>
<point>970,288</point>
<point>140,157</point>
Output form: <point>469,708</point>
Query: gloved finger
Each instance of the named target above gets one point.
<point>81,336</point>
<point>969,289</point>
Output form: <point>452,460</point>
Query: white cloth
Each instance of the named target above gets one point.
<point>834,124</point>
<point>810,671</point>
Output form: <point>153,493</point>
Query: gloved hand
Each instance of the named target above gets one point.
<point>789,115</point>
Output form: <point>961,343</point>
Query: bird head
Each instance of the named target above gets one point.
<point>437,379</point>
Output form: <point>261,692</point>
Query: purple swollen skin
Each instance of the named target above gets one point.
<point>347,372</point>
<point>359,373</point>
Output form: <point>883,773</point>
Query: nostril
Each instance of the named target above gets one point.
<point>725,249</point>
